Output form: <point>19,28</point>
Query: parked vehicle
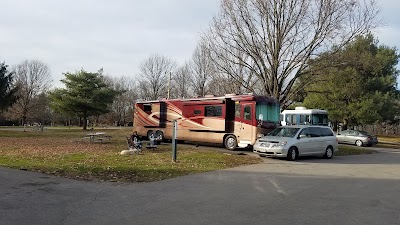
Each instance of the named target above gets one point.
<point>356,137</point>
<point>304,116</point>
<point>232,120</point>
<point>298,140</point>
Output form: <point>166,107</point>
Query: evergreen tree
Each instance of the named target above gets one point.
<point>7,89</point>
<point>358,86</point>
<point>86,94</point>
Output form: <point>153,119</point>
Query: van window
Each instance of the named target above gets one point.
<point>304,119</point>
<point>326,132</point>
<point>306,132</point>
<point>315,132</point>
<point>320,119</point>
<point>291,119</point>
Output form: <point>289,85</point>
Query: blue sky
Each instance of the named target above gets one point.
<point>118,35</point>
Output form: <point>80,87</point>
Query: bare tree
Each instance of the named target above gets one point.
<point>202,68</point>
<point>33,78</point>
<point>273,40</point>
<point>154,76</point>
<point>122,107</point>
<point>245,80</point>
<point>182,82</point>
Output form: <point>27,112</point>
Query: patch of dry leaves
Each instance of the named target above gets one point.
<point>47,146</point>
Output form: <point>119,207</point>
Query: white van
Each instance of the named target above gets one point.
<point>297,140</point>
<point>302,115</point>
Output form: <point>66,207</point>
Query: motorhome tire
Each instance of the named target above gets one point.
<point>230,142</point>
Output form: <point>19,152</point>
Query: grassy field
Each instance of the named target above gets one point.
<point>61,152</point>
<point>389,142</point>
<point>352,150</point>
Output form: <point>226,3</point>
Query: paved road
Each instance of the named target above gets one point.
<point>345,190</point>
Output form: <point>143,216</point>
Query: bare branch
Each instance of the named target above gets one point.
<point>273,40</point>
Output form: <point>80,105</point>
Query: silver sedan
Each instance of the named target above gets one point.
<point>356,137</point>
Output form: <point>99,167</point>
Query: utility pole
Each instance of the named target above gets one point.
<point>169,84</point>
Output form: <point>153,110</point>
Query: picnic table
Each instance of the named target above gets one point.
<point>97,137</point>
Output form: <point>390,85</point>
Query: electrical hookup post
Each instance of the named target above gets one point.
<point>174,141</point>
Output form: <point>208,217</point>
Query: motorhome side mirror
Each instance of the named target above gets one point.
<point>260,117</point>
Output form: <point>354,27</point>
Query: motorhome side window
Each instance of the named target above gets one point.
<point>304,119</point>
<point>147,107</point>
<point>237,110</point>
<point>247,112</point>
<point>291,119</point>
<point>213,111</point>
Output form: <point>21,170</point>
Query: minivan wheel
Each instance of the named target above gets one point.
<point>328,152</point>
<point>359,143</point>
<point>292,154</point>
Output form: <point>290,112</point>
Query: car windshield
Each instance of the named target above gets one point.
<point>284,132</point>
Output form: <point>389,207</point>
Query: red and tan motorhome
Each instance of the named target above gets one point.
<point>232,120</point>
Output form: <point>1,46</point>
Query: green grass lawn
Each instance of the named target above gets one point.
<point>61,152</point>
<point>352,150</point>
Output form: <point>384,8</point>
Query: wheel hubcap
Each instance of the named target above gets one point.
<point>329,152</point>
<point>293,154</point>
<point>231,142</point>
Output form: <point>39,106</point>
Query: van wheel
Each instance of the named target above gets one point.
<point>230,142</point>
<point>359,143</point>
<point>292,154</point>
<point>328,152</point>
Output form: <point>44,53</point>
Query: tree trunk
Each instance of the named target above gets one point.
<point>335,126</point>
<point>23,120</point>
<point>345,124</point>
<point>84,121</point>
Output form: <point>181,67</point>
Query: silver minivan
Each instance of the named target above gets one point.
<point>298,140</point>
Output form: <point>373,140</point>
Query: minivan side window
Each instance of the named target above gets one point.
<point>326,132</point>
<point>315,132</point>
<point>306,132</point>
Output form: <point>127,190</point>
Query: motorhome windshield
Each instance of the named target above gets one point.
<point>267,111</point>
<point>320,119</point>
